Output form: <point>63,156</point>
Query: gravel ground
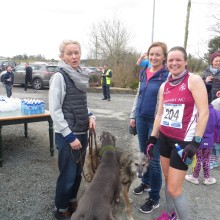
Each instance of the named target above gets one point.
<point>28,175</point>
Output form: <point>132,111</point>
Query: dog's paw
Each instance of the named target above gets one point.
<point>130,200</point>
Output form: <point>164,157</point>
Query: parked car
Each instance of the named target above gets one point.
<point>4,63</point>
<point>95,76</point>
<point>41,75</point>
<point>92,70</point>
<point>96,70</point>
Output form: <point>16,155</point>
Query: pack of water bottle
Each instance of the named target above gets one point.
<point>32,106</point>
<point>9,104</point>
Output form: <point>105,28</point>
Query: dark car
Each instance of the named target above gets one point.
<point>4,63</point>
<point>41,75</point>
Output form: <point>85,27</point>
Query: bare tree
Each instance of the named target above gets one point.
<point>215,15</point>
<point>216,27</point>
<point>109,41</point>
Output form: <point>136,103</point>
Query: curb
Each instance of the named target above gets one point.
<point>114,90</point>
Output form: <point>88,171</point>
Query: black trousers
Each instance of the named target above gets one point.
<point>28,80</point>
<point>106,91</point>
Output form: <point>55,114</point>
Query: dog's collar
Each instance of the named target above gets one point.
<point>107,147</point>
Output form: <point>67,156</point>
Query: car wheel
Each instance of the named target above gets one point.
<point>37,84</point>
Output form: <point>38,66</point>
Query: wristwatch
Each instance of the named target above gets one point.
<point>197,139</point>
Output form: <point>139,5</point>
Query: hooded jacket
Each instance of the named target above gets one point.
<point>211,134</point>
<point>148,91</point>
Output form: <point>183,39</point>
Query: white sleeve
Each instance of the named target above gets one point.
<point>133,111</point>
<point>57,94</point>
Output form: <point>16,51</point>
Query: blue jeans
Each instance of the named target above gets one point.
<point>153,176</point>
<point>8,88</point>
<point>69,179</point>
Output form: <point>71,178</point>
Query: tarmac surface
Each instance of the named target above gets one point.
<point>204,201</point>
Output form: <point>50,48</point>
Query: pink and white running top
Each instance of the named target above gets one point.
<point>180,114</point>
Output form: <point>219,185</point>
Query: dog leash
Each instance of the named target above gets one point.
<point>80,160</point>
<point>91,140</point>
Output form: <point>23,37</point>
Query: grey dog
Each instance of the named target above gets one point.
<point>95,204</point>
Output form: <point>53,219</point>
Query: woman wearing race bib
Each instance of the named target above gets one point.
<point>181,119</point>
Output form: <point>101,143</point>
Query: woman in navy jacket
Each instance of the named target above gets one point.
<point>142,116</point>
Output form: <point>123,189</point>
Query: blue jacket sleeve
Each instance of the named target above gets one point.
<point>70,138</point>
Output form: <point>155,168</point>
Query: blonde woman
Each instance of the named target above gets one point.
<point>72,119</point>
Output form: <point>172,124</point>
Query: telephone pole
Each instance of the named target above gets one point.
<point>187,24</point>
<point>96,49</point>
<point>152,36</point>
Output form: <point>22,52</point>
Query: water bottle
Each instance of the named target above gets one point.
<point>34,107</point>
<point>43,107</point>
<point>26,108</point>
<point>22,106</point>
<point>38,107</point>
<point>29,108</point>
<point>180,152</point>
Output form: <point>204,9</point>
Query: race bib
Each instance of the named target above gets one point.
<point>173,115</point>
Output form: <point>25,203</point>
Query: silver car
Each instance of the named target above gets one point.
<point>40,77</point>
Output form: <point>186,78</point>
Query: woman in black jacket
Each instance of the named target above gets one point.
<point>211,74</point>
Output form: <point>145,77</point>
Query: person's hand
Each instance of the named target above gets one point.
<point>132,122</point>
<point>76,145</point>
<point>150,146</point>
<point>143,55</point>
<point>92,123</point>
<point>218,94</point>
<point>209,79</point>
<point>190,150</point>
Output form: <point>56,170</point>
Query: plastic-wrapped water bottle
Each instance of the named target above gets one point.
<point>22,106</point>
<point>29,108</point>
<point>180,152</point>
<point>43,107</point>
<point>25,106</point>
<point>38,107</point>
<point>34,107</point>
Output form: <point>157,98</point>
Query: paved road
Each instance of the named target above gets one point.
<point>114,116</point>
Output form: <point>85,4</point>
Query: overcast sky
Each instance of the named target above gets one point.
<point>38,26</point>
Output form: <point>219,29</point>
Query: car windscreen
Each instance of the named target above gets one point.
<point>52,68</point>
<point>20,67</point>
